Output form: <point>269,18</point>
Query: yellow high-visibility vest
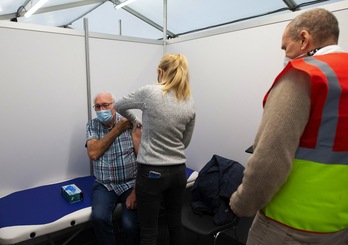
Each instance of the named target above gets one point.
<point>315,196</point>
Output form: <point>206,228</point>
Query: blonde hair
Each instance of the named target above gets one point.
<point>175,75</point>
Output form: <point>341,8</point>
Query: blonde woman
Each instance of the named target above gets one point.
<point>168,117</point>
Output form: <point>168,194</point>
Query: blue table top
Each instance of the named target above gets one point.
<point>44,204</point>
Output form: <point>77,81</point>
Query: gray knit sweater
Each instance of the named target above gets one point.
<point>167,124</point>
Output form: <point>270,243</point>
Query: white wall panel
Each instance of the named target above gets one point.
<point>43,92</point>
<point>230,74</point>
<point>121,67</point>
<point>43,102</point>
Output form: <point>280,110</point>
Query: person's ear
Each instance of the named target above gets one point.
<point>159,74</point>
<point>305,38</point>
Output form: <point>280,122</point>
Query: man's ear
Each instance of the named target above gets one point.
<point>305,38</point>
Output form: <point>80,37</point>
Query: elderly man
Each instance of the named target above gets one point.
<point>296,181</point>
<point>112,146</point>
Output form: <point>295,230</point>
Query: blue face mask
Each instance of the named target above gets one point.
<point>105,116</point>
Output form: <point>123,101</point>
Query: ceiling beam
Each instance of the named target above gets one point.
<point>292,5</point>
<point>147,20</point>
<point>53,8</point>
<point>83,3</point>
<point>136,14</point>
<point>143,18</point>
<point>84,14</point>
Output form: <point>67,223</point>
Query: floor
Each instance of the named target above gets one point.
<point>84,235</point>
<point>87,237</point>
<point>236,236</point>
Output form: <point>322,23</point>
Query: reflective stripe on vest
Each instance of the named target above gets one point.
<point>315,195</point>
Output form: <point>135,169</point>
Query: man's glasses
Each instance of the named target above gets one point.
<point>97,107</point>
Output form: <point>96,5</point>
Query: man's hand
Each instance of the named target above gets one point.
<point>96,148</point>
<point>131,202</point>
<point>124,124</point>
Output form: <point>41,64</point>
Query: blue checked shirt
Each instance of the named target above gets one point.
<point>116,169</point>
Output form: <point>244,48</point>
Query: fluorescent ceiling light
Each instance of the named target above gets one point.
<point>35,7</point>
<point>118,6</point>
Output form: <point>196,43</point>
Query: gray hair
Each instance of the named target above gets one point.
<point>104,92</point>
<point>320,23</point>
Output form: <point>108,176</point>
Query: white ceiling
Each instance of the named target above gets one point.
<point>144,18</point>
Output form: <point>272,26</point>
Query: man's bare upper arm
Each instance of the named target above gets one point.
<point>136,137</point>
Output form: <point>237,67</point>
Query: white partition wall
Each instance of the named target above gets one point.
<point>229,75</point>
<point>43,101</point>
<point>231,70</point>
<point>44,93</point>
<point>44,97</point>
<point>122,65</point>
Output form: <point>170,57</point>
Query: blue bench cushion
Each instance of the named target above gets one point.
<point>44,204</point>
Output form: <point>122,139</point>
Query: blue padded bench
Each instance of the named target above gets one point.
<point>40,211</point>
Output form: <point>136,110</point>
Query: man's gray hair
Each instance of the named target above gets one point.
<point>320,23</point>
<point>105,92</point>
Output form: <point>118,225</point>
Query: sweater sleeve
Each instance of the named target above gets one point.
<point>284,118</point>
<point>187,135</point>
<point>134,100</point>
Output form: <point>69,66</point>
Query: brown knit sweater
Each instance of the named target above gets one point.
<point>284,118</point>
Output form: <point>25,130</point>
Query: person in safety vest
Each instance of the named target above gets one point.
<point>296,181</point>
